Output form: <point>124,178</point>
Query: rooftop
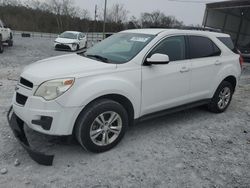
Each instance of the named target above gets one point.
<point>152,31</point>
<point>229,4</point>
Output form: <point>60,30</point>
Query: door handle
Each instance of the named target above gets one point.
<point>217,62</point>
<point>184,69</point>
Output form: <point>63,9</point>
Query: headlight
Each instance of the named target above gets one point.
<point>52,89</point>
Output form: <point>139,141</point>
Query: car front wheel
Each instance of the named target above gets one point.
<point>1,47</point>
<point>10,43</point>
<point>101,126</point>
<point>221,98</point>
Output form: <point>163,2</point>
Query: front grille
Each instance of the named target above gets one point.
<point>21,99</point>
<point>62,46</point>
<point>26,83</point>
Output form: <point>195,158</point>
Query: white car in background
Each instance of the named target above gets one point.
<point>6,36</point>
<point>71,40</point>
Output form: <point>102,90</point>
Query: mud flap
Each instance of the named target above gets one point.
<point>17,126</point>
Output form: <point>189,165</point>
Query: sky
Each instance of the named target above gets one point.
<point>188,11</point>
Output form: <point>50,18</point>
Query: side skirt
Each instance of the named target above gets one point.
<point>172,110</point>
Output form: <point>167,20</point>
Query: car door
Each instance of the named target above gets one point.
<point>205,64</point>
<point>167,85</point>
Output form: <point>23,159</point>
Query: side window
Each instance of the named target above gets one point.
<point>217,51</point>
<point>228,42</point>
<point>174,47</point>
<point>202,47</point>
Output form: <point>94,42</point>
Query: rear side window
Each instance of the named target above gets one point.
<point>201,47</point>
<point>174,47</point>
<point>228,42</point>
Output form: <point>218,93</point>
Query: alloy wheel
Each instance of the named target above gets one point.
<point>224,98</point>
<point>106,128</point>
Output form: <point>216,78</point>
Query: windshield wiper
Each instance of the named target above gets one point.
<point>104,59</point>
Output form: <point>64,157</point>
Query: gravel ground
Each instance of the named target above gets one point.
<point>192,148</point>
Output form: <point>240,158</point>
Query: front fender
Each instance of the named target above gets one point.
<point>88,89</point>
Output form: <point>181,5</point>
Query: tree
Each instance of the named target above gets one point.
<point>10,2</point>
<point>158,19</point>
<point>117,14</point>
<point>85,14</point>
<point>133,23</point>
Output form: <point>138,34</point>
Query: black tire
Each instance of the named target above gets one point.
<point>77,48</point>
<point>214,105</point>
<point>1,47</point>
<point>1,44</point>
<point>10,43</point>
<point>86,120</point>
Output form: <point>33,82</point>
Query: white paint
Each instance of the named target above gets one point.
<point>149,88</point>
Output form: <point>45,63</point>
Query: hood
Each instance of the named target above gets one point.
<point>66,41</point>
<point>72,65</point>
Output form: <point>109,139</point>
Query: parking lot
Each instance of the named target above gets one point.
<point>192,148</point>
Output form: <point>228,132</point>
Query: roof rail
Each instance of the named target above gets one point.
<point>202,28</point>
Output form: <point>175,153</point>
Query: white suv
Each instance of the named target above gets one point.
<point>129,76</point>
<point>6,36</point>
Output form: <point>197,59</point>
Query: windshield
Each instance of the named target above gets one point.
<point>119,48</point>
<point>68,35</point>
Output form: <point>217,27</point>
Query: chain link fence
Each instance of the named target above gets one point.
<point>92,38</point>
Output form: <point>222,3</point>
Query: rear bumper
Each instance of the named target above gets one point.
<point>17,126</point>
<point>246,57</point>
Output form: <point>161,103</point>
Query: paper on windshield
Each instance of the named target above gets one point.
<point>139,39</point>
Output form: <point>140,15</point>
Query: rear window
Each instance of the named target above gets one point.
<point>228,42</point>
<point>201,47</point>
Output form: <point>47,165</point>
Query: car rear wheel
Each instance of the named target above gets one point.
<point>221,98</point>
<point>101,126</point>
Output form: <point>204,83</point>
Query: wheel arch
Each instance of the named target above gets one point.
<point>231,79</point>
<point>124,101</point>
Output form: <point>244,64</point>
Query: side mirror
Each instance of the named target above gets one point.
<point>158,59</point>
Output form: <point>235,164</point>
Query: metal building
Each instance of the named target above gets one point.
<point>232,17</point>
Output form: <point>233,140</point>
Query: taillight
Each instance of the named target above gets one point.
<point>241,61</point>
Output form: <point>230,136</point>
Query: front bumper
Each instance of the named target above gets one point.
<point>17,126</point>
<point>47,117</point>
<point>67,47</point>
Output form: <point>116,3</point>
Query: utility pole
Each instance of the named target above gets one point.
<point>95,12</point>
<point>104,20</point>
<point>94,28</point>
